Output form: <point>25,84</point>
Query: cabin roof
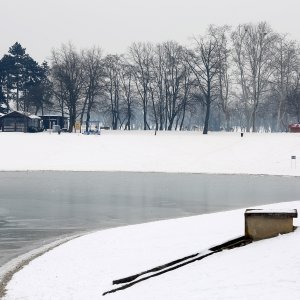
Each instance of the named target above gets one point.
<point>20,113</point>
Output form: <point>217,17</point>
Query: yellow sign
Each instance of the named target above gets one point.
<point>77,125</point>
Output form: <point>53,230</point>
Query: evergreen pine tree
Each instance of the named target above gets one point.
<point>20,74</point>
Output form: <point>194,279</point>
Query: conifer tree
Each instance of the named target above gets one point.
<point>20,73</point>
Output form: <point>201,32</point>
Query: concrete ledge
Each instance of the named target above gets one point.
<point>292,213</point>
<point>262,224</point>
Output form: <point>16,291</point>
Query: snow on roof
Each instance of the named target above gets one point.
<point>27,114</point>
<point>54,115</point>
<point>33,117</point>
<point>296,125</point>
<point>272,212</point>
<point>21,112</point>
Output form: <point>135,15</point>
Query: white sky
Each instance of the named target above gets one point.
<point>40,25</point>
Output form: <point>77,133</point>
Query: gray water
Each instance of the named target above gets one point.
<point>39,207</point>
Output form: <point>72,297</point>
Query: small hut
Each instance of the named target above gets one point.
<point>261,224</point>
<point>50,120</point>
<point>294,127</point>
<point>18,121</point>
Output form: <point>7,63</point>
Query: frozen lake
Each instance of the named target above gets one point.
<point>39,207</point>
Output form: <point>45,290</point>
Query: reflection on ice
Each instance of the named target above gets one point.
<point>43,206</point>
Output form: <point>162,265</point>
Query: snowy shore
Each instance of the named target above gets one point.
<point>84,268</point>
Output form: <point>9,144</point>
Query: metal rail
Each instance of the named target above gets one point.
<point>175,264</point>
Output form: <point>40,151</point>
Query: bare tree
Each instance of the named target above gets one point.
<point>253,55</point>
<point>174,81</point>
<point>293,98</point>
<point>67,72</point>
<point>141,55</point>
<point>169,85</point>
<point>186,95</point>
<point>285,77</point>
<point>93,67</point>
<point>294,104</point>
<point>128,93</point>
<point>220,34</point>
<point>204,63</point>
<point>247,78</point>
<point>158,93</point>
<point>113,87</point>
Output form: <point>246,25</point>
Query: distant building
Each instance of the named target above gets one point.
<point>294,128</point>
<point>50,120</point>
<point>1,115</point>
<point>3,109</point>
<point>18,121</point>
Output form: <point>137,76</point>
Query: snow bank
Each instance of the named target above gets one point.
<point>140,151</point>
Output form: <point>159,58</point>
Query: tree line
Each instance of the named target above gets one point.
<point>245,77</point>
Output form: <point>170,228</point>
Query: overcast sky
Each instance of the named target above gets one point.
<point>40,25</point>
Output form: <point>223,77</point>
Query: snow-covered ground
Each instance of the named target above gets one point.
<point>85,267</point>
<point>189,152</point>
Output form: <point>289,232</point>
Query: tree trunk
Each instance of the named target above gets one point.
<point>254,120</point>
<point>83,110</point>
<point>227,120</point>
<point>207,114</point>
<point>87,122</point>
<point>171,121</point>
<point>72,112</point>
<point>127,125</point>
<point>279,113</point>
<point>72,122</point>
<point>145,117</point>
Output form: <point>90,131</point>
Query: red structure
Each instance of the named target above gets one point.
<point>294,128</point>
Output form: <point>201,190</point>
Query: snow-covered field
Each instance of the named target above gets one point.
<point>189,152</point>
<point>85,267</point>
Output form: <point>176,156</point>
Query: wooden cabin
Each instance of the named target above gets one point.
<point>18,121</point>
